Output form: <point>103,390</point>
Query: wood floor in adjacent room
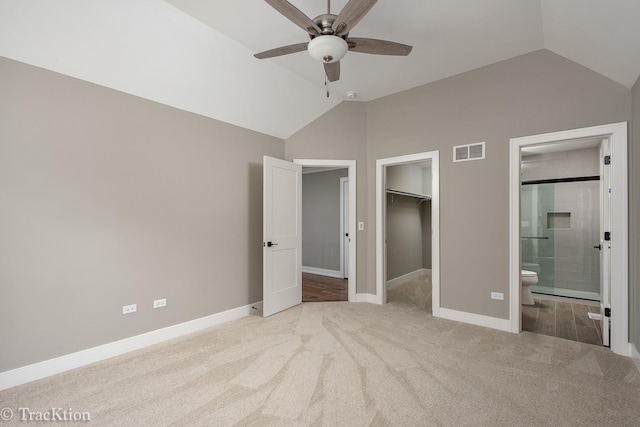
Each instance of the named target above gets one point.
<point>317,288</point>
<point>563,318</point>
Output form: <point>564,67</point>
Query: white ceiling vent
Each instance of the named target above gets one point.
<point>462,153</point>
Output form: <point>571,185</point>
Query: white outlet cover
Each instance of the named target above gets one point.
<point>128,309</point>
<point>497,296</point>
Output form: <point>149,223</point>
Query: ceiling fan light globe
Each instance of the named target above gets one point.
<point>327,48</point>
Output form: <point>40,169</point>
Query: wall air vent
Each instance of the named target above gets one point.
<point>462,153</point>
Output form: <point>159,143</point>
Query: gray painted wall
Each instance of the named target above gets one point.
<point>426,234</point>
<point>109,200</point>
<point>531,94</point>
<point>321,219</point>
<point>634,219</point>
<point>404,236</point>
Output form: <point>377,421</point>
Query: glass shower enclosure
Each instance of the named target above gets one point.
<point>560,225</point>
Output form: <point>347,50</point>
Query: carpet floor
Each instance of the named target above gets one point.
<point>348,364</point>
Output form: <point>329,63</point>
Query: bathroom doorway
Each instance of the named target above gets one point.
<point>562,199</point>
<point>407,230</point>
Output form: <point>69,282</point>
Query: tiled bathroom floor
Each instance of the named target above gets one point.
<point>562,317</point>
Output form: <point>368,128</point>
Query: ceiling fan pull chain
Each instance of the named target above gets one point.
<point>326,83</point>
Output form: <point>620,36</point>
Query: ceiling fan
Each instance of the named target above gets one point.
<point>329,35</point>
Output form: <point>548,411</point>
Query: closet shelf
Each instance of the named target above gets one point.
<point>419,197</point>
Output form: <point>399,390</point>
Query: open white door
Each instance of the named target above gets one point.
<point>605,240</point>
<point>282,235</point>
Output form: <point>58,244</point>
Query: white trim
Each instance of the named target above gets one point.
<point>351,165</point>
<point>70,361</point>
<point>322,272</point>
<point>476,319</point>
<point>635,355</point>
<point>381,164</point>
<point>407,277</point>
<point>370,298</point>
<point>617,132</point>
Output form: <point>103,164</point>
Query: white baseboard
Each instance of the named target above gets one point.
<point>322,272</point>
<point>67,362</point>
<point>370,298</point>
<point>407,277</point>
<point>635,355</point>
<point>476,319</point>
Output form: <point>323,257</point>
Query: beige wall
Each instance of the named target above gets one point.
<point>531,94</point>
<point>109,200</point>
<point>404,236</point>
<point>321,237</point>
<point>634,219</point>
<point>340,134</point>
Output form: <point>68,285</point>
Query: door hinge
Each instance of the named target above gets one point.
<point>607,160</point>
<point>607,236</point>
<point>607,312</point>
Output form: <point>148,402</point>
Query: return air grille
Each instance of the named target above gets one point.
<point>463,153</point>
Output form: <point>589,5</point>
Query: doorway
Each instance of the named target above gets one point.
<point>322,278</point>
<point>394,185</point>
<point>534,238</point>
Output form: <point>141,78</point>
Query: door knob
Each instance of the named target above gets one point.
<point>599,247</point>
<point>269,244</point>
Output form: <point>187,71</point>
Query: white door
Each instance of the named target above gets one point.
<point>344,221</point>
<point>282,236</point>
<point>605,243</point>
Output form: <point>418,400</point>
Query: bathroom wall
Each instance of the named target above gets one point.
<point>568,262</point>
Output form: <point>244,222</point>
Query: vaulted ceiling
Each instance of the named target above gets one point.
<point>198,55</point>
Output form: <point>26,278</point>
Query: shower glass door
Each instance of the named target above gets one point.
<point>538,241</point>
<point>559,228</point>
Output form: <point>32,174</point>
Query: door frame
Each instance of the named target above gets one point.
<point>344,271</point>
<point>381,208</point>
<point>351,166</point>
<point>617,134</point>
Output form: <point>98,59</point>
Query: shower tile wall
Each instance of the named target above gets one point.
<point>567,259</point>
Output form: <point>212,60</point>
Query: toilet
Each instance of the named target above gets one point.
<point>527,278</point>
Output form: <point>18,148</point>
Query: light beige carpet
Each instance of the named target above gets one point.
<point>416,291</point>
<point>347,364</point>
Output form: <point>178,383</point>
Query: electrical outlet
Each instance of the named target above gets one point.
<point>159,303</point>
<point>497,295</point>
<point>128,309</point>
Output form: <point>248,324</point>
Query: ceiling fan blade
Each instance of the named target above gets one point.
<point>294,15</point>
<point>284,50</point>
<point>378,47</point>
<point>332,70</point>
<point>351,14</point>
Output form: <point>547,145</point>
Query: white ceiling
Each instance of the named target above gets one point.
<point>198,55</point>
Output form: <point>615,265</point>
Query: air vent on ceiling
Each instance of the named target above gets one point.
<point>462,153</point>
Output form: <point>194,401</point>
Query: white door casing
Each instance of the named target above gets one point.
<point>616,133</point>
<point>605,245</point>
<point>381,259</point>
<point>282,235</point>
